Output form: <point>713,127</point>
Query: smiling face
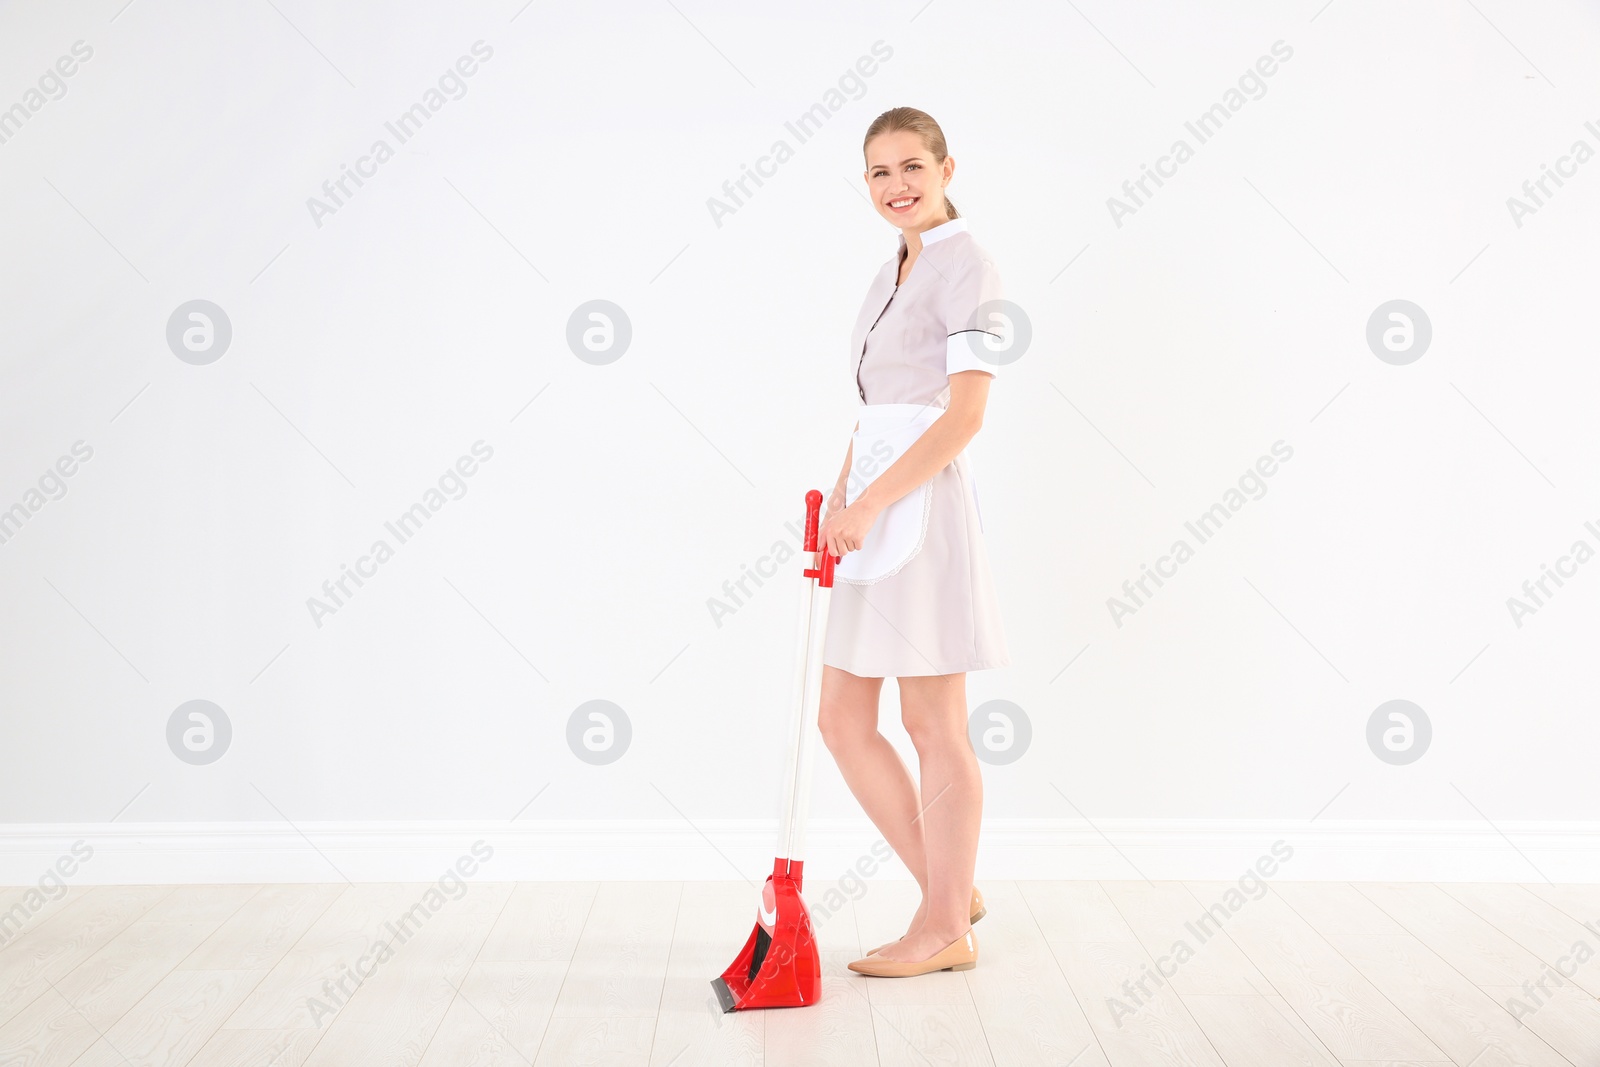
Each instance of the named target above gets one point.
<point>906,185</point>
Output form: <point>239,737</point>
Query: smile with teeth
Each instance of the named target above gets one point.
<point>905,201</point>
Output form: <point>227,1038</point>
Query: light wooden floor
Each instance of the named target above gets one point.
<point>619,973</point>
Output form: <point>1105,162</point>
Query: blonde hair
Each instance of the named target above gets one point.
<point>920,123</point>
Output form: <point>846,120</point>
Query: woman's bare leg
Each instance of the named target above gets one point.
<point>934,710</point>
<point>874,771</point>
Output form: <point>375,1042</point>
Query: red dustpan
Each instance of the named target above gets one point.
<point>779,966</point>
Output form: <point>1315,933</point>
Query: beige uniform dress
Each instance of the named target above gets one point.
<point>917,598</point>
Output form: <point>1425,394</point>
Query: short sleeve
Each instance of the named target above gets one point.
<point>975,283</point>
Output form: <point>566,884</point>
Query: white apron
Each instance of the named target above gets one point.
<point>886,432</point>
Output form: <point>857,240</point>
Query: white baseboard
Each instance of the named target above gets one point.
<point>565,850</point>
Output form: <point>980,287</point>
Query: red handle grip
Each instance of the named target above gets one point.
<point>813,513</point>
<point>824,573</point>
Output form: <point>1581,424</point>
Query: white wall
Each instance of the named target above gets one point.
<point>373,347</point>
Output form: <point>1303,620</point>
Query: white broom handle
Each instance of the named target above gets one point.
<point>797,706</point>
<point>821,598</point>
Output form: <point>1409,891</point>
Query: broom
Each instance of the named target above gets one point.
<point>779,966</point>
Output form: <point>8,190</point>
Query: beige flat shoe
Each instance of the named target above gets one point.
<point>978,912</point>
<point>959,955</point>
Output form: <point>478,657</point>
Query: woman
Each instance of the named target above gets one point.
<point>913,598</point>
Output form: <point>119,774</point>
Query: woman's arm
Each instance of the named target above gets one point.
<point>845,531</point>
<point>836,500</point>
<point>933,451</point>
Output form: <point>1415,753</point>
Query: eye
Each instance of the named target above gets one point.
<point>918,166</point>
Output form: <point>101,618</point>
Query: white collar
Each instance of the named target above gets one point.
<point>939,232</point>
